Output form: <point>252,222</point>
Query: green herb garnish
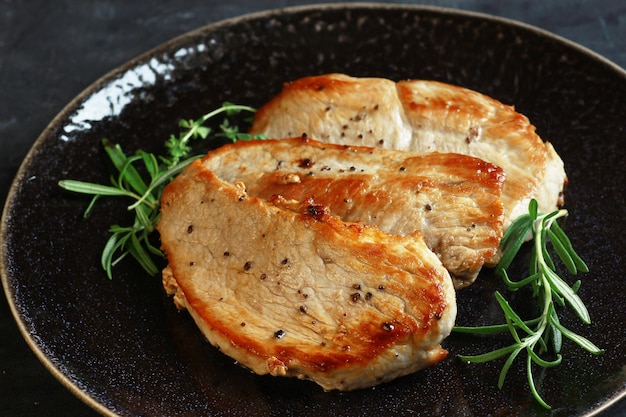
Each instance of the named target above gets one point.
<point>542,335</point>
<point>146,189</point>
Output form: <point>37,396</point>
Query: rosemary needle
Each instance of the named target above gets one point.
<point>145,190</point>
<point>543,334</point>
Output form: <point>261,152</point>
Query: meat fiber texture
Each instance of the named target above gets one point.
<point>452,200</point>
<point>421,116</point>
<point>302,294</point>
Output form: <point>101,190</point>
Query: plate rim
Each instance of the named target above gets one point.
<point>8,280</point>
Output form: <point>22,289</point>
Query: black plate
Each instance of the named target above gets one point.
<point>122,347</point>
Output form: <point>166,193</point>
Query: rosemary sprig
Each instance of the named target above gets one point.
<point>145,190</point>
<point>542,335</point>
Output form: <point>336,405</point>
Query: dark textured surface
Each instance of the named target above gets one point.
<point>125,339</point>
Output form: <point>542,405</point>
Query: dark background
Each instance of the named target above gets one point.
<point>51,50</point>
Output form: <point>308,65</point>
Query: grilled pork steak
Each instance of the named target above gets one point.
<point>301,294</point>
<point>422,116</point>
<point>452,199</point>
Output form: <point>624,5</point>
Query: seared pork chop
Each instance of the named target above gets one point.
<point>422,116</point>
<point>452,199</point>
<point>301,294</point>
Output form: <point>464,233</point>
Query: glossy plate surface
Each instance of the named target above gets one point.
<point>122,346</point>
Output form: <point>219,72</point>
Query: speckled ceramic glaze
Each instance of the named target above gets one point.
<point>122,346</point>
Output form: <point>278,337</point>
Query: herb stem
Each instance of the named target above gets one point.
<point>548,288</point>
<point>146,194</point>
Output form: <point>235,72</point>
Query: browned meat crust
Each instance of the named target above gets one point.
<point>452,199</point>
<point>304,295</point>
<point>421,116</point>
